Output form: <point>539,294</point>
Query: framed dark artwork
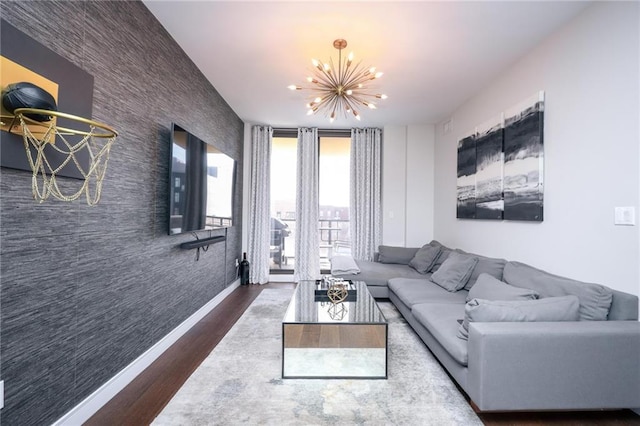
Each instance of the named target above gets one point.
<point>523,162</point>
<point>466,183</point>
<point>500,166</point>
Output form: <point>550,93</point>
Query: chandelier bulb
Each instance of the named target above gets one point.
<point>381,96</point>
<point>372,70</point>
<point>317,100</point>
<point>294,87</point>
<point>379,74</point>
<point>349,92</point>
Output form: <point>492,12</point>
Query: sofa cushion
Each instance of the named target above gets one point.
<point>425,258</point>
<point>412,291</point>
<point>441,320</point>
<point>344,264</point>
<point>489,288</point>
<point>393,254</point>
<point>564,308</point>
<point>455,271</point>
<point>486,265</point>
<point>595,299</point>
<point>377,274</point>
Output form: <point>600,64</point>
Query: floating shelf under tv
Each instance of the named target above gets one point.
<point>190,245</point>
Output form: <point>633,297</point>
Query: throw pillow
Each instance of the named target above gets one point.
<point>486,265</point>
<point>444,253</point>
<point>490,288</point>
<point>393,254</point>
<point>563,308</point>
<point>455,271</point>
<point>425,258</point>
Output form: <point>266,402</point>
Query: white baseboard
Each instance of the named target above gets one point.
<point>91,404</point>
<point>281,278</point>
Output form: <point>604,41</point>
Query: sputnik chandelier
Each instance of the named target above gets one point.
<point>342,89</point>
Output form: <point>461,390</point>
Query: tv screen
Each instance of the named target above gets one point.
<point>201,182</point>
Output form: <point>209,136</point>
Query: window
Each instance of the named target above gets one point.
<point>333,225</point>
<point>283,202</point>
<point>334,169</point>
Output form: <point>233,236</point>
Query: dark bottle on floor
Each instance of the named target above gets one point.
<point>244,270</point>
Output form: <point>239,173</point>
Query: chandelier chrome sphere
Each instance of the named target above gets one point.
<point>342,89</point>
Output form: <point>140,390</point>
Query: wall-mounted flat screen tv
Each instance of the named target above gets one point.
<point>201,183</point>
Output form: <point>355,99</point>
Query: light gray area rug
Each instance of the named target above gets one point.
<point>240,382</point>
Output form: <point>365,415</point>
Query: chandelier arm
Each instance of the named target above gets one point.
<point>332,76</point>
<point>325,100</point>
<point>354,74</point>
<point>368,94</point>
<point>355,100</point>
<point>345,72</point>
<point>361,79</point>
<point>349,103</point>
<point>324,78</point>
<point>333,106</point>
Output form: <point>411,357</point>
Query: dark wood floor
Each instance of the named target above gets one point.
<point>143,399</point>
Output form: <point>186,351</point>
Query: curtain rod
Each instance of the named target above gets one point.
<point>295,129</point>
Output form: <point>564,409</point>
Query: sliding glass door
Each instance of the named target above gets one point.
<point>334,199</point>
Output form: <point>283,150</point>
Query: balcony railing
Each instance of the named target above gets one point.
<point>334,239</point>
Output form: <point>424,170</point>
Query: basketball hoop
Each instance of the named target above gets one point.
<point>96,140</point>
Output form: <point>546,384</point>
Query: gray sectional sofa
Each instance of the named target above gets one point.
<point>512,336</point>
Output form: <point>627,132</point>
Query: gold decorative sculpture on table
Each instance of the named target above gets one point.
<point>337,292</point>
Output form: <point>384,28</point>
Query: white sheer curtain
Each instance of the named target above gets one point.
<point>259,205</point>
<point>365,192</point>
<point>307,252</point>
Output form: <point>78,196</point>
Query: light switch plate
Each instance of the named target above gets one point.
<point>625,216</point>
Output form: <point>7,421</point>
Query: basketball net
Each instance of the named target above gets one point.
<point>97,141</point>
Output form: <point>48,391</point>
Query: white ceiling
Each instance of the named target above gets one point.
<point>434,54</point>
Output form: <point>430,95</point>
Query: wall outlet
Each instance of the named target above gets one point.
<point>237,263</point>
<point>1,394</point>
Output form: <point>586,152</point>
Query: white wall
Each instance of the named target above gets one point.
<point>407,185</point>
<point>590,74</point>
<point>246,189</point>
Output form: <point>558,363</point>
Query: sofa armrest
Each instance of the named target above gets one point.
<point>554,365</point>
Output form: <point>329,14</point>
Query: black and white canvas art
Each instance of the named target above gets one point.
<point>523,160</point>
<point>466,183</point>
<point>489,201</point>
<point>500,166</point>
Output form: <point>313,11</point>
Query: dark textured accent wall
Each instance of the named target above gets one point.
<point>86,290</point>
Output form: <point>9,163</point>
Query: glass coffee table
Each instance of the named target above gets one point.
<point>321,339</point>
